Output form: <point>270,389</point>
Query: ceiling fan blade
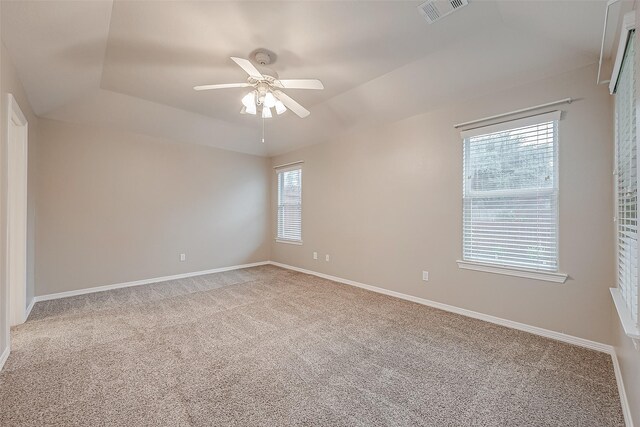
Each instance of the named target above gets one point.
<point>221,86</point>
<point>301,84</point>
<point>247,66</point>
<point>292,104</point>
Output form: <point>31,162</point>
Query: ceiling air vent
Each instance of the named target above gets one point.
<point>434,10</point>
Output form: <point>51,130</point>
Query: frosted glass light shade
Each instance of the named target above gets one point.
<point>280,108</point>
<point>249,99</point>
<point>269,100</point>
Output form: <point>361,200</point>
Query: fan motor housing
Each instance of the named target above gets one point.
<point>263,57</point>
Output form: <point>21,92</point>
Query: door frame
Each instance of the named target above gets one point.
<point>16,211</point>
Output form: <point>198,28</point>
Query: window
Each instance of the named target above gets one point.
<point>510,205</point>
<point>627,183</point>
<point>290,205</point>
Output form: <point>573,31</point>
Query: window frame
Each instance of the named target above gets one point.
<point>630,326</point>
<point>505,269</point>
<point>279,170</point>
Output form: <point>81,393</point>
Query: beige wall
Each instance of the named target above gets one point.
<point>10,83</point>
<point>115,207</point>
<point>386,203</point>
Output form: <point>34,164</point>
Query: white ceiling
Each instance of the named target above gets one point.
<point>132,64</point>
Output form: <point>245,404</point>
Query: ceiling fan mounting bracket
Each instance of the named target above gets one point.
<point>263,57</point>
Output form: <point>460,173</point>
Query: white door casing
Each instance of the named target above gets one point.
<point>16,268</point>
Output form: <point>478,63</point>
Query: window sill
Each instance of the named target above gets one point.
<point>510,271</point>
<point>630,328</point>
<point>289,242</point>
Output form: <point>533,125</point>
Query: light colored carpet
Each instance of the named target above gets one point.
<point>271,347</point>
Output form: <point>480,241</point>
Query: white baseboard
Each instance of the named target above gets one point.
<point>624,401</point>
<point>4,357</point>
<point>593,345</point>
<point>29,308</point>
<point>143,282</point>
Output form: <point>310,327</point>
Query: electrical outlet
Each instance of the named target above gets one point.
<point>425,276</point>
<point>315,255</point>
<point>326,258</point>
<point>183,257</point>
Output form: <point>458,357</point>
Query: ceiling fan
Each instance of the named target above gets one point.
<point>267,93</point>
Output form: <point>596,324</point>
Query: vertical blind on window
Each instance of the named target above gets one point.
<point>627,182</point>
<point>510,206</point>
<point>290,204</point>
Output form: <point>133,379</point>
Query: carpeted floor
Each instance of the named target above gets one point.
<point>271,347</point>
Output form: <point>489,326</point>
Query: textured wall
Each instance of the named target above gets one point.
<point>386,203</point>
<point>115,207</point>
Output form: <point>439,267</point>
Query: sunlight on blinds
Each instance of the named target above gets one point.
<point>627,182</point>
<point>510,212</point>
<point>290,204</point>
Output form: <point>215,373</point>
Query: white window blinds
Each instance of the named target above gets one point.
<point>290,204</point>
<point>627,182</point>
<point>510,206</point>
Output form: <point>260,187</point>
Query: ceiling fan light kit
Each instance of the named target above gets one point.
<point>267,93</point>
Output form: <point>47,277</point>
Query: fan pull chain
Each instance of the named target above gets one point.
<point>263,130</point>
